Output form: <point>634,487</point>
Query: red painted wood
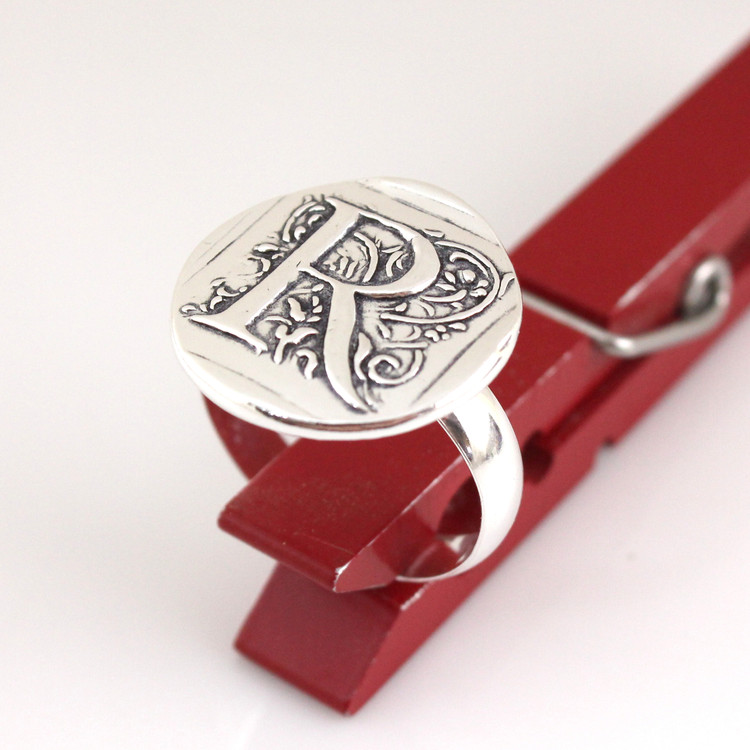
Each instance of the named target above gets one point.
<point>250,446</point>
<point>349,516</point>
<point>623,223</point>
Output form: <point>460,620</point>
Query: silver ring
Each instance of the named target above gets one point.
<point>361,310</point>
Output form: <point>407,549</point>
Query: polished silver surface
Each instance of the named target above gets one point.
<point>705,302</point>
<point>359,310</point>
<point>485,438</point>
<point>356,310</point>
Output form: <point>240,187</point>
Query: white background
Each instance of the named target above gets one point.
<point>129,130</point>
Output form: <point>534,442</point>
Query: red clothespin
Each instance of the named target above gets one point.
<point>617,258</point>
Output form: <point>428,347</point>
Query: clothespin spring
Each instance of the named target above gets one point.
<point>704,304</point>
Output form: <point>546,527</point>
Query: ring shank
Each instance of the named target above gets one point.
<point>485,438</point>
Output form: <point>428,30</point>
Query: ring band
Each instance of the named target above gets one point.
<point>485,438</point>
<point>360,310</point>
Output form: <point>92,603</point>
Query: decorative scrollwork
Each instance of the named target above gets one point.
<point>362,274</point>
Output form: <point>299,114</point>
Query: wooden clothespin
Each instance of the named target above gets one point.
<point>606,279</point>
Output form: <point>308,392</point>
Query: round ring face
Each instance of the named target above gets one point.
<point>352,310</point>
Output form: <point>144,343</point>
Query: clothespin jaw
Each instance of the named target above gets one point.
<point>345,521</point>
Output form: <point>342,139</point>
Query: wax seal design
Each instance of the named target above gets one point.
<point>357,309</point>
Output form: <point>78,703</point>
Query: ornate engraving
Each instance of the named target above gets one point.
<point>345,294</point>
